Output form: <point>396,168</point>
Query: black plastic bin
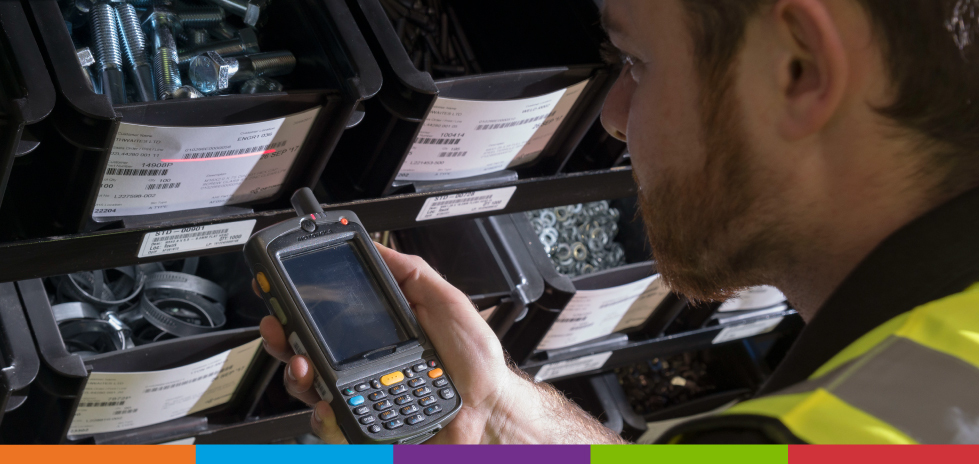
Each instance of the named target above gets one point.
<point>26,97</point>
<point>18,358</point>
<point>334,71</point>
<point>525,48</point>
<point>487,259</point>
<point>524,337</point>
<point>47,415</point>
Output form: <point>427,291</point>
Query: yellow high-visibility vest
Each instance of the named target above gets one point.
<point>914,379</point>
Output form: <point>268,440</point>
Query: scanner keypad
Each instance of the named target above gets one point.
<point>406,384</point>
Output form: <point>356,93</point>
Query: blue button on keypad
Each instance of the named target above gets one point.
<point>356,401</point>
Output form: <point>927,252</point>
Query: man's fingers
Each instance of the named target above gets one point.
<point>274,339</point>
<point>255,289</point>
<point>324,424</point>
<point>422,286</point>
<point>298,378</point>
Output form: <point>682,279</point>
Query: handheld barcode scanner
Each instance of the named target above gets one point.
<point>321,276</point>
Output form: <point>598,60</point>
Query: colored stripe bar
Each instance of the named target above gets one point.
<point>894,454</point>
<point>142,454</point>
<point>492,454</point>
<point>688,454</point>
<point>275,454</point>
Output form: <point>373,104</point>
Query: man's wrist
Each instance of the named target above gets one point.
<point>527,412</point>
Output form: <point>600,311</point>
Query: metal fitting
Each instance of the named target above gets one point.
<point>245,43</point>
<point>85,59</point>
<point>134,44</point>
<point>159,22</point>
<point>211,73</point>
<point>196,38</point>
<point>260,85</point>
<point>185,92</point>
<point>251,11</point>
<point>108,53</point>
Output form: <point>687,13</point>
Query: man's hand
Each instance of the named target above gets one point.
<point>499,406</point>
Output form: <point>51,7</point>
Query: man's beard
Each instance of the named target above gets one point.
<point>703,226</point>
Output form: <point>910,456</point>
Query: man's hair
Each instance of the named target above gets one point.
<point>932,59</point>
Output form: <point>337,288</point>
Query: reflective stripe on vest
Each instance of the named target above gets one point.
<point>914,379</point>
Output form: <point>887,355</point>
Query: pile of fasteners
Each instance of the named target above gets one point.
<point>432,36</point>
<point>663,382</point>
<point>580,239</point>
<point>147,50</point>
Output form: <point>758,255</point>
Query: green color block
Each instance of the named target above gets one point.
<point>690,454</point>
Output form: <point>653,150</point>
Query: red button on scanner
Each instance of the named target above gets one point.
<point>344,221</point>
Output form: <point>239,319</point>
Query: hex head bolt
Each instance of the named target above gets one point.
<point>134,44</point>
<point>245,43</point>
<point>251,11</point>
<point>108,53</point>
<point>159,20</point>
<point>211,73</point>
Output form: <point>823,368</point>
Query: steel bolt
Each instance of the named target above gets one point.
<point>197,38</point>
<point>211,72</point>
<point>250,10</point>
<point>108,53</point>
<point>160,20</point>
<point>134,44</point>
<point>224,31</point>
<point>201,17</point>
<point>85,59</point>
<point>247,42</point>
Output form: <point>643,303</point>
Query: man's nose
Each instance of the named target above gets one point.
<point>615,113</point>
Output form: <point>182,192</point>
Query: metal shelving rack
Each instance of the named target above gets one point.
<point>119,247</point>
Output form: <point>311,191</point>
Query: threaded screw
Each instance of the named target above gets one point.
<point>251,11</point>
<point>245,43</point>
<point>159,20</point>
<point>134,45</point>
<point>197,38</point>
<point>201,17</point>
<point>108,52</point>
<point>211,73</point>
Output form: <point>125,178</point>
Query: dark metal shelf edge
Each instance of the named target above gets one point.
<point>107,249</point>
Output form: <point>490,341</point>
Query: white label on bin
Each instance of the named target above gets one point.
<point>747,330</point>
<point>572,367</point>
<point>462,204</point>
<point>596,313</point>
<point>168,242</point>
<point>466,138</point>
<point>155,169</point>
<point>754,298</point>
<point>114,401</point>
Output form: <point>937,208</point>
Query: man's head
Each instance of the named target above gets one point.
<point>766,132</point>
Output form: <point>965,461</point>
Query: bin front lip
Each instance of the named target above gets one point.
<point>24,364</point>
<point>38,97</point>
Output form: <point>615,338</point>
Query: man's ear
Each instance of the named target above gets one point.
<point>813,73</point>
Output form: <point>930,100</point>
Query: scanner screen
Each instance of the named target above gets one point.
<point>346,303</point>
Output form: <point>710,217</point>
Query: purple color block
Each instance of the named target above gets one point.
<point>492,454</point>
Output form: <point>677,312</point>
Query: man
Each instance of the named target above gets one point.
<point>826,147</point>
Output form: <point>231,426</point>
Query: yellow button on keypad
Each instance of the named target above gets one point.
<point>392,378</point>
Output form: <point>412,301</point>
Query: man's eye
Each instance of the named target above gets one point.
<point>614,57</point>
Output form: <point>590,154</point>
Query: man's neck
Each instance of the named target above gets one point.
<point>849,233</point>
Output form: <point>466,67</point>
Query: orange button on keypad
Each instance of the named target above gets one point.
<point>435,373</point>
<point>392,378</point>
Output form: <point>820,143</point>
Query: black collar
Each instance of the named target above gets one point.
<point>934,256</point>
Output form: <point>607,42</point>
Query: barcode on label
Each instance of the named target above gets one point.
<point>504,125</point>
<point>261,149</point>
<point>573,319</point>
<point>136,172</point>
<point>431,141</point>
<point>124,411</point>
<point>103,404</point>
<point>452,154</point>
<point>462,201</point>
<point>163,186</point>
<point>207,233</point>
